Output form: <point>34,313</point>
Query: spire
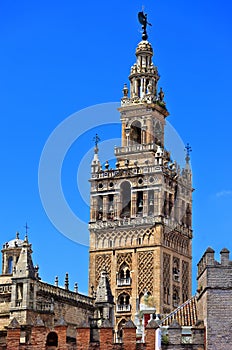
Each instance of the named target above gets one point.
<point>26,233</point>
<point>24,266</point>
<point>144,76</point>
<point>96,165</point>
<point>104,294</point>
<point>188,149</point>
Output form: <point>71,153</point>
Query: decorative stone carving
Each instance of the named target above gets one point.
<point>145,272</point>
<point>103,262</point>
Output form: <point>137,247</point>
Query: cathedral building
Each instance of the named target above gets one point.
<point>26,301</point>
<point>141,211</point>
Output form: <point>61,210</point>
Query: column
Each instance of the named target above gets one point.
<point>123,134</point>
<point>150,136</point>
<point>145,203</point>
<point>105,207</point>
<point>133,204</point>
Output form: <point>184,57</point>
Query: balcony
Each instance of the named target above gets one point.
<point>135,148</point>
<point>123,281</point>
<point>123,308</point>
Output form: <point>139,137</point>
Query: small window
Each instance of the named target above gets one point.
<point>10,265</point>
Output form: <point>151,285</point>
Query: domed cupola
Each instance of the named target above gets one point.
<point>10,254</point>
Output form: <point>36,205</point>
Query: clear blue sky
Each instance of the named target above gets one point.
<point>58,57</point>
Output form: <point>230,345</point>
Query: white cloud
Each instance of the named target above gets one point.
<point>224,193</point>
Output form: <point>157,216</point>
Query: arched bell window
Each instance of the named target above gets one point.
<point>10,265</point>
<point>136,133</point>
<point>158,133</point>
<point>125,199</point>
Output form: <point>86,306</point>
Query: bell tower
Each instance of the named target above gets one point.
<point>140,215</point>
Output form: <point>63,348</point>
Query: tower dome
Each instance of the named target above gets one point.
<point>16,242</point>
<point>144,47</point>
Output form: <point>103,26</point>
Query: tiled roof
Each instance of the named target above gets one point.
<point>185,314</point>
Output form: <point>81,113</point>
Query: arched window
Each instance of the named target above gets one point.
<point>124,278</point>
<point>125,199</point>
<point>120,330</point>
<point>99,207</point>
<point>136,132</point>
<point>123,303</point>
<point>175,298</point>
<point>140,202</point>
<point>158,133</point>
<point>188,216</point>
<point>10,265</point>
<point>52,339</point>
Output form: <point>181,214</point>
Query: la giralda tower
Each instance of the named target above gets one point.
<point>141,211</point>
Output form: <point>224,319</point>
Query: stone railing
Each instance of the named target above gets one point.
<point>112,173</point>
<point>126,222</point>
<point>124,281</point>
<point>5,288</point>
<point>135,148</point>
<point>172,224</point>
<point>63,293</point>
<point>123,308</point>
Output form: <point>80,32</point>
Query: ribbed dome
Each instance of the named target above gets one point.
<point>144,46</point>
<point>16,242</point>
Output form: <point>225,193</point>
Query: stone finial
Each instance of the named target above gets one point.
<point>161,95</point>
<point>107,165</point>
<point>66,282</point>
<point>76,287</point>
<point>225,256</point>
<point>125,91</point>
<point>56,281</point>
<point>37,271</point>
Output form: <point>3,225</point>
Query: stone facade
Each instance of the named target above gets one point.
<point>215,299</point>
<point>140,216</point>
<point>29,301</point>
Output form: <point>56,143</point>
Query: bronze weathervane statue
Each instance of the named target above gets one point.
<point>143,20</point>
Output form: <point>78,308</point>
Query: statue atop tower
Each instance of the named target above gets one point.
<point>143,20</point>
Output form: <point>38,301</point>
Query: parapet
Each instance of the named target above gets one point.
<point>208,260</point>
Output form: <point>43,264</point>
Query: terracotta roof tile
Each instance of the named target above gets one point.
<point>185,314</point>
